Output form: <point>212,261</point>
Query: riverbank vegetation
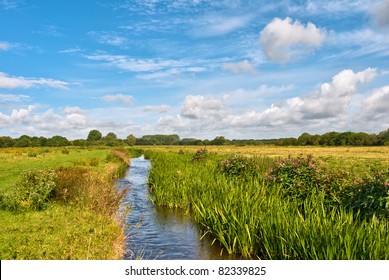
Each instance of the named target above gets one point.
<point>61,203</point>
<point>317,205</point>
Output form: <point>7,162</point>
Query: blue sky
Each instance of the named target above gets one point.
<point>196,68</point>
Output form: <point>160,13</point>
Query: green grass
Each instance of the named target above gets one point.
<point>16,160</point>
<point>80,221</point>
<point>251,216</point>
<point>57,233</point>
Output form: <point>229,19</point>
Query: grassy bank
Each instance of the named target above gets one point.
<point>61,203</point>
<point>268,208</point>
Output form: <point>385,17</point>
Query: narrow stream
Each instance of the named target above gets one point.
<point>160,233</point>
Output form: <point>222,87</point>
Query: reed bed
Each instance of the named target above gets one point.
<point>251,216</point>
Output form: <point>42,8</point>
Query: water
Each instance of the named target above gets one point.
<point>160,233</point>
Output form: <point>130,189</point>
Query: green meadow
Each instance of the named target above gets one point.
<point>61,203</point>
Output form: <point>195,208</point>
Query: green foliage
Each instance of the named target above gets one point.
<point>32,154</point>
<point>94,135</point>
<point>299,176</point>
<point>201,155</point>
<point>241,166</point>
<point>255,218</point>
<point>370,196</point>
<point>65,151</point>
<point>34,191</point>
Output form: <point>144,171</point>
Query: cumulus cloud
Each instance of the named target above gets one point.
<point>160,108</point>
<point>239,67</point>
<point>328,106</point>
<point>72,110</point>
<point>376,106</point>
<point>380,13</point>
<point>200,107</point>
<point>21,82</point>
<point>118,98</point>
<point>283,40</point>
<point>329,102</point>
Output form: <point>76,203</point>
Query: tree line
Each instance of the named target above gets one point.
<point>95,138</point>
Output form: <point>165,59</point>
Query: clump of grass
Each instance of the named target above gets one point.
<point>94,162</point>
<point>32,154</point>
<point>65,151</point>
<point>88,188</point>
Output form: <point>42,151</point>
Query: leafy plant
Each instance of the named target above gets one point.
<point>201,155</point>
<point>33,191</point>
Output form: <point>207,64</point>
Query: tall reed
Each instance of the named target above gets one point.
<point>248,216</point>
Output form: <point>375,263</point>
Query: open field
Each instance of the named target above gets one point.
<point>77,220</point>
<point>333,205</point>
<point>355,159</point>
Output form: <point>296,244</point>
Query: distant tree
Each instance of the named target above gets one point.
<point>219,140</point>
<point>94,135</point>
<point>131,140</point>
<point>6,141</point>
<point>57,141</point>
<point>110,137</point>
<point>23,141</point>
<point>79,142</point>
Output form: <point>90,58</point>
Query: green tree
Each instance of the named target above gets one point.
<point>110,137</point>
<point>94,135</point>
<point>131,140</point>
<point>6,141</point>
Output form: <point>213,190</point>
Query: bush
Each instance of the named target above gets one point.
<point>298,177</point>
<point>32,154</point>
<point>33,191</point>
<point>370,196</point>
<point>201,155</point>
<point>241,166</point>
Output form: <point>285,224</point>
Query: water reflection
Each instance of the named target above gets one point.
<point>160,233</point>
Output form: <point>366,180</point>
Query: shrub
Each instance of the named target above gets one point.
<point>201,155</point>
<point>241,166</point>
<point>33,191</point>
<point>299,176</point>
<point>32,154</point>
<point>370,196</point>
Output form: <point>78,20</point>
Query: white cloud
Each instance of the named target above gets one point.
<point>118,98</point>
<point>4,46</point>
<point>9,4</point>
<point>109,38</point>
<point>216,25</point>
<point>200,107</point>
<point>283,40</point>
<point>13,98</point>
<point>160,108</point>
<point>72,110</point>
<point>135,65</point>
<point>328,106</point>
<point>380,13</point>
<point>71,50</point>
<point>21,82</point>
<point>376,106</point>
<point>239,67</point>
